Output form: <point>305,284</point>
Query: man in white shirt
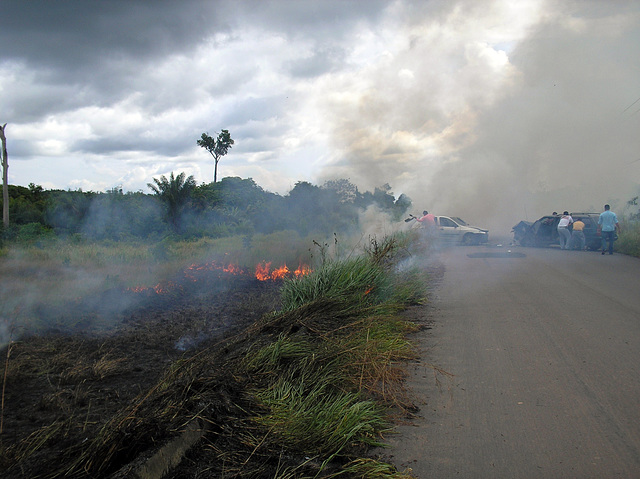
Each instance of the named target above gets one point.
<point>564,235</point>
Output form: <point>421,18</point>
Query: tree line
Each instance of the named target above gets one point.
<point>179,207</point>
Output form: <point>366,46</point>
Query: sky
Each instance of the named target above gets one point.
<point>493,111</point>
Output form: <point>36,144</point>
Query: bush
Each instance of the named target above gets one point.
<point>33,232</point>
<point>629,238</point>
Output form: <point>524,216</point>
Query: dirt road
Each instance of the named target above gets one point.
<point>544,349</point>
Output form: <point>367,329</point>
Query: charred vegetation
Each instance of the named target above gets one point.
<point>292,376</point>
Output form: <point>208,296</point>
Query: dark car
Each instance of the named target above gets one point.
<point>544,232</point>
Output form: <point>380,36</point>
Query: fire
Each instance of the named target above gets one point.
<point>194,272</point>
<point>165,288</point>
<point>264,271</point>
<point>233,269</point>
<point>302,270</point>
<point>280,272</point>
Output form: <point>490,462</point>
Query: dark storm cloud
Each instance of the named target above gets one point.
<point>74,35</point>
<point>323,60</point>
<point>169,145</point>
<point>326,20</point>
<point>72,53</point>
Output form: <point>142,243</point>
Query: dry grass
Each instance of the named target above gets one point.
<point>284,398</point>
<point>57,273</point>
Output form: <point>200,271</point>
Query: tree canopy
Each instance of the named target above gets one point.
<point>216,147</point>
<point>177,206</point>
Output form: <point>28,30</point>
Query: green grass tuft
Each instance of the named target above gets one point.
<point>357,281</point>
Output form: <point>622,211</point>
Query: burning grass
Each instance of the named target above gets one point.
<point>54,275</point>
<point>302,392</point>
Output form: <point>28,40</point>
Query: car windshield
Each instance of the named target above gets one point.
<point>459,221</point>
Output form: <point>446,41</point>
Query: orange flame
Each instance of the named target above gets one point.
<point>262,271</point>
<point>280,273</point>
<point>302,270</point>
<point>233,269</point>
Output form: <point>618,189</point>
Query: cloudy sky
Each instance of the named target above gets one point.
<point>495,111</point>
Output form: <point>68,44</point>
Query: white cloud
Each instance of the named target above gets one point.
<point>495,97</point>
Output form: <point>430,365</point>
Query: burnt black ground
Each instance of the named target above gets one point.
<point>81,372</point>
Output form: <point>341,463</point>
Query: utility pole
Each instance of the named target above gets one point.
<point>5,178</point>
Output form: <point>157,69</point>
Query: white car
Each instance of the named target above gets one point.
<point>452,229</point>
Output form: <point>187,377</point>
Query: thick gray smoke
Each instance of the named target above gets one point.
<point>498,111</point>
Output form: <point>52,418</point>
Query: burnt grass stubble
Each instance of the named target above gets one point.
<point>81,377</point>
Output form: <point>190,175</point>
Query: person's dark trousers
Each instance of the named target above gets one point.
<point>607,236</point>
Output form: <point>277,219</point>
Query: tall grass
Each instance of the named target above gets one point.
<point>629,238</point>
<point>354,281</point>
<point>310,414</point>
<point>328,377</point>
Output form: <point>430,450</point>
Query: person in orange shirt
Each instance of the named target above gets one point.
<point>577,235</point>
<point>427,218</point>
<point>428,223</point>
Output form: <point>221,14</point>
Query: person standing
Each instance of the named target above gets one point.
<point>577,235</point>
<point>608,225</point>
<point>428,223</point>
<point>564,235</point>
<point>427,219</point>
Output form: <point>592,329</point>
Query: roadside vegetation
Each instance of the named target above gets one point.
<point>179,208</point>
<point>55,270</point>
<point>629,238</point>
<point>306,391</point>
<point>62,245</point>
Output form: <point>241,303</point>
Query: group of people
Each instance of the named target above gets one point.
<point>574,238</point>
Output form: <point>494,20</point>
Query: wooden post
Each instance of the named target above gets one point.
<point>5,178</point>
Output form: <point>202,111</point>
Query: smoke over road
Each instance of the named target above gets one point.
<point>497,111</point>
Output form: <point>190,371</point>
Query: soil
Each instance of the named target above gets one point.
<point>79,376</point>
<point>65,386</point>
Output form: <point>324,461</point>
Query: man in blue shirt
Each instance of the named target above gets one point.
<point>608,225</point>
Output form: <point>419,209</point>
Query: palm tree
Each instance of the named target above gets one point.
<point>174,193</point>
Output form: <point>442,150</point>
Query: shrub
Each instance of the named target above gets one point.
<point>629,238</point>
<point>32,232</point>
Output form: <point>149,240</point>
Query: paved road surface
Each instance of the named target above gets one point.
<point>545,353</point>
